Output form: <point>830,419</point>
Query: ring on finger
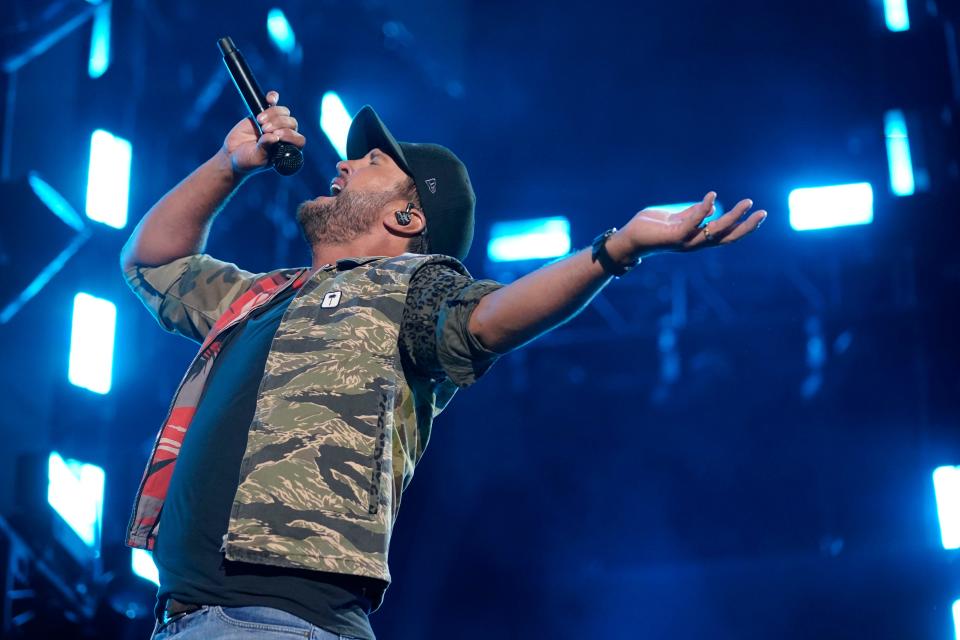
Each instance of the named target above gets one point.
<point>706,232</point>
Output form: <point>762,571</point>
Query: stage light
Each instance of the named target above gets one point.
<point>57,204</point>
<point>281,33</point>
<point>75,491</point>
<point>100,41</point>
<point>946,485</point>
<point>896,14</point>
<point>108,179</point>
<point>956,619</point>
<point>141,561</point>
<point>529,239</point>
<point>898,153</point>
<point>835,206</point>
<point>91,342</point>
<point>335,122</point>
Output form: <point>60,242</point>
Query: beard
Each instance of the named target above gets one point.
<point>343,218</point>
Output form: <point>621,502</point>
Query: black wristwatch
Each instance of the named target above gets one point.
<point>600,255</point>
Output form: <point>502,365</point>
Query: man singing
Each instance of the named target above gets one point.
<point>313,393</point>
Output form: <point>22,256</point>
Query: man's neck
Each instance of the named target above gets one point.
<point>324,254</point>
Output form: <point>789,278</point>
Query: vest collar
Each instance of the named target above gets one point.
<point>345,264</point>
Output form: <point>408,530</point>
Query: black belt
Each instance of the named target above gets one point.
<point>174,609</point>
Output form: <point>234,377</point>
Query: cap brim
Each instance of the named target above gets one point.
<point>367,132</point>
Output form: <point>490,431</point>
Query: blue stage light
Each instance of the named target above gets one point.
<point>108,179</point>
<point>281,33</point>
<point>956,619</point>
<point>55,202</point>
<point>529,239</point>
<point>141,561</point>
<point>91,343</point>
<point>946,485</point>
<point>896,14</point>
<point>75,491</point>
<point>898,153</point>
<point>335,122</point>
<point>826,207</point>
<point>100,41</point>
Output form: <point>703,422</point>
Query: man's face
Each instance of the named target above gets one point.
<point>362,191</point>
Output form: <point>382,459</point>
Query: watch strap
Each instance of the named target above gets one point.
<point>599,254</point>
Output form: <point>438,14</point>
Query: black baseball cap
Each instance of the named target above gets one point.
<point>441,180</point>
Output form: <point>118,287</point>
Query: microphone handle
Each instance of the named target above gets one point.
<point>285,157</point>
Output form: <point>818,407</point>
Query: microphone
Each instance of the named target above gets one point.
<point>285,157</point>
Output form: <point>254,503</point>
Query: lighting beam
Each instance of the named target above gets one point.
<point>281,33</point>
<point>141,561</point>
<point>335,122</point>
<point>91,343</point>
<point>896,14</point>
<point>100,41</point>
<point>108,179</point>
<point>75,491</point>
<point>946,485</point>
<point>533,239</point>
<point>835,206</point>
<point>898,153</point>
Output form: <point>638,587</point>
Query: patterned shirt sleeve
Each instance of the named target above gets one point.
<point>434,337</point>
<point>187,295</point>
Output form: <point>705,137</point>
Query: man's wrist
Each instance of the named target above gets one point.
<point>227,168</point>
<point>599,253</point>
<point>620,250</point>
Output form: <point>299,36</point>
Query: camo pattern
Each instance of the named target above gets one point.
<point>188,295</point>
<point>319,455</point>
<point>339,425</point>
<point>184,295</point>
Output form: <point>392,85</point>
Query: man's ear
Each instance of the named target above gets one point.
<point>407,222</point>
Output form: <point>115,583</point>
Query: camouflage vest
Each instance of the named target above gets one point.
<point>338,427</point>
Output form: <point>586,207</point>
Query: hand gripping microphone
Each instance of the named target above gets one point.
<point>285,157</point>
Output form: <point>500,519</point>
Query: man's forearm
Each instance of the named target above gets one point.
<point>543,299</point>
<point>177,225</point>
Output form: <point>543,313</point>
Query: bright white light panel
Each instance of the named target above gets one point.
<point>335,122</point>
<point>108,179</point>
<point>834,206</point>
<point>141,561</point>
<point>529,239</point>
<point>75,491</point>
<point>91,343</point>
<point>946,485</point>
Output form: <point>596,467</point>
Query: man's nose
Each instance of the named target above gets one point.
<point>343,167</point>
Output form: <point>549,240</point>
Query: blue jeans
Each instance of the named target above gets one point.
<point>240,623</point>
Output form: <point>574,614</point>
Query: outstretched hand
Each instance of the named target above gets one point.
<point>655,230</point>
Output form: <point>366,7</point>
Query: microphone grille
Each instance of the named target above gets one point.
<point>288,159</point>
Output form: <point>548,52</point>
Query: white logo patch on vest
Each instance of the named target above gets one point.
<point>431,184</point>
<point>331,300</point>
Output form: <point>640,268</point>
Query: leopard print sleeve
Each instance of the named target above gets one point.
<point>434,336</point>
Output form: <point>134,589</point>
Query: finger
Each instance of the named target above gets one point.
<point>746,227</point>
<point>267,140</point>
<point>280,122</point>
<point>698,215</point>
<point>272,113</point>
<point>273,97</point>
<point>722,225</point>
<point>293,137</point>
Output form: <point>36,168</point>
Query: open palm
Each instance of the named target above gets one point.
<point>655,230</point>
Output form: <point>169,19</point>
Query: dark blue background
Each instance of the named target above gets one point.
<point>576,491</point>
